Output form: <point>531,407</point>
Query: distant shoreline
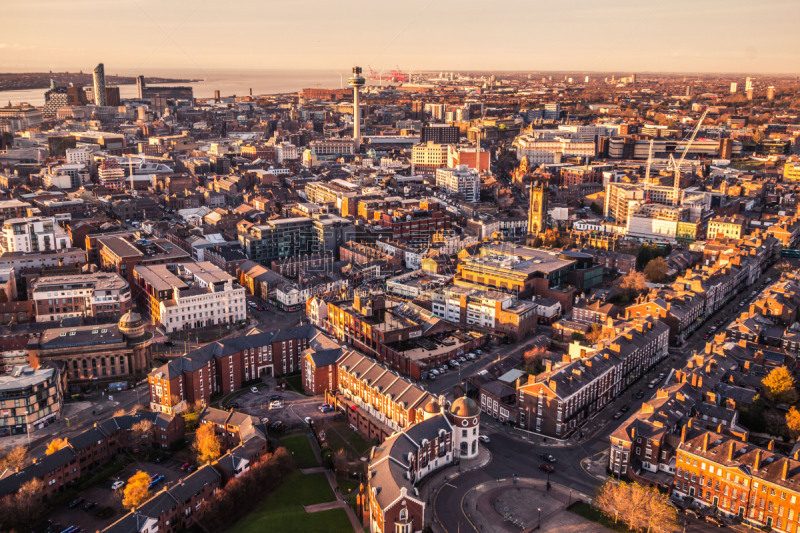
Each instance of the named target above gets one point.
<point>41,80</point>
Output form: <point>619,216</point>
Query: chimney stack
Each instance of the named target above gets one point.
<point>785,471</point>
<point>705,442</point>
<point>771,444</point>
<point>683,433</point>
<point>757,461</point>
<point>796,455</point>
<point>731,450</point>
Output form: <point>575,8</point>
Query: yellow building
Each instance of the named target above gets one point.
<point>729,227</point>
<point>791,171</point>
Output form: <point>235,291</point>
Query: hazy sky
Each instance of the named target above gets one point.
<point>649,35</point>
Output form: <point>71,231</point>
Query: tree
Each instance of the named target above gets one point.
<point>594,334</point>
<point>137,491</point>
<point>779,386</point>
<point>641,508</point>
<point>656,270</point>
<point>24,509</point>
<point>206,444</point>
<point>142,430</point>
<point>793,422</point>
<point>632,282</point>
<point>119,412</point>
<point>340,463</point>
<point>15,459</point>
<point>54,445</point>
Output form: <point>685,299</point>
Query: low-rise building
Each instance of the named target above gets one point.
<point>100,295</point>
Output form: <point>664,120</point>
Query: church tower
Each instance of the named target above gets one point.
<point>537,212</point>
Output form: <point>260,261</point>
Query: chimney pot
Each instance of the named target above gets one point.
<point>705,442</point>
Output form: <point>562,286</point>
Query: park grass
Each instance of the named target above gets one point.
<point>340,436</point>
<point>282,510</point>
<point>300,448</point>
<point>593,514</point>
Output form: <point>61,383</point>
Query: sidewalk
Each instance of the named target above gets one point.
<point>596,465</point>
<point>430,484</point>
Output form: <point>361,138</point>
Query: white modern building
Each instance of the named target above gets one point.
<point>33,234</point>
<point>460,180</point>
<point>548,151</point>
<point>190,295</point>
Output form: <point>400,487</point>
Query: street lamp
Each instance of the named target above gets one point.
<point>539,521</point>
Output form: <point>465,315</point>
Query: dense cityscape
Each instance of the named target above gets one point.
<point>413,301</point>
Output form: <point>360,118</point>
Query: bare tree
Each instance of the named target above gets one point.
<point>24,509</point>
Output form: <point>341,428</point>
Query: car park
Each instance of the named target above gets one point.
<point>546,468</point>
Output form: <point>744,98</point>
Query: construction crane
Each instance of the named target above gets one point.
<point>677,166</point>
<point>647,173</point>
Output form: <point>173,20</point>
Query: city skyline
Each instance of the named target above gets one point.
<point>714,37</point>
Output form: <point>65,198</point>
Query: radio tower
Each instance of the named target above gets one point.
<point>356,82</point>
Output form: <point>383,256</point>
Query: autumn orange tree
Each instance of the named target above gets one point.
<point>793,422</point>
<point>641,508</point>
<point>137,491</point>
<point>54,445</point>
<point>779,386</point>
<point>15,459</point>
<point>656,270</point>
<point>207,444</point>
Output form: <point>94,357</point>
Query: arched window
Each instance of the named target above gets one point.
<point>474,446</point>
<point>402,515</point>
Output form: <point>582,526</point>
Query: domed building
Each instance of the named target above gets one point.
<point>464,415</point>
<point>95,355</point>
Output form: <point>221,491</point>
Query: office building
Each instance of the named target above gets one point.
<point>99,87</point>
<point>286,237</point>
<point>189,295</point>
<point>439,134</point>
<point>30,398</point>
<point>462,181</point>
<point>427,158</point>
<point>734,87</point>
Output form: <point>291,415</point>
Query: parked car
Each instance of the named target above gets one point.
<point>625,408</point>
<point>156,480</point>
<point>715,520</point>
<point>471,356</point>
<point>693,513</point>
<point>433,372</point>
<point>617,415</point>
<point>640,395</point>
<point>454,364</point>
<point>117,485</point>
<point>546,468</point>
<point>277,404</point>
<point>254,390</point>
<point>89,506</point>
<point>76,502</point>
<point>432,377</point>
<point>309,421</point>
<point>276,426</point>
<point>322,406</point>
<point>275,397</point>
<point>185,466</point>
<point>547,457</point>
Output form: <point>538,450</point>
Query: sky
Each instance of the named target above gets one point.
<point>145,36</point>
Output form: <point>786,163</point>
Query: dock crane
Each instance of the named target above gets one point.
<point>677,165</point>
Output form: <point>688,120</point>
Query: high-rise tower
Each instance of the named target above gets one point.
<point>356,82</point>
<point>537,211</point>
<point>99,76</point>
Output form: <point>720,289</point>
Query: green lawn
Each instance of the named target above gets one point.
<point>340,436</point>
<point>295,383</point>
<point>300,448</point>
<point>591,513</point>
<point>283,510</point>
